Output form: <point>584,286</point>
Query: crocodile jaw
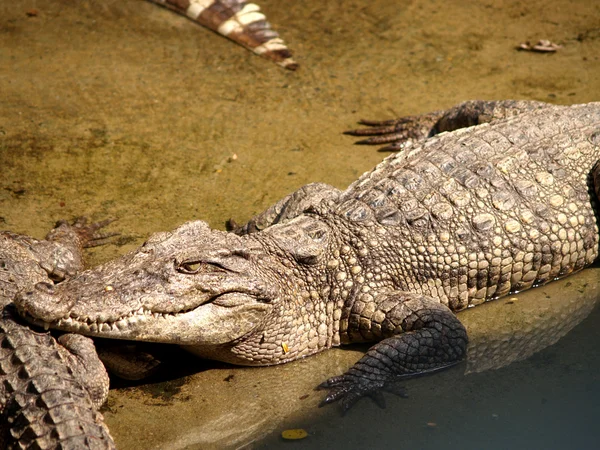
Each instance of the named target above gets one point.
<point>214,323</point>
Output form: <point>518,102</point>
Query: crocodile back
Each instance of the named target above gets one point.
<point>480,212</point>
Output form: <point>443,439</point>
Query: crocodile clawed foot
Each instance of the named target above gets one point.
<point>89,234</point>
<point>348,389</point>
<point>400,132</point>
<point>376,129</point>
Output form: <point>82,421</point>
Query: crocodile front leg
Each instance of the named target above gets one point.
<point>292,205</point>
<point>424,337</point>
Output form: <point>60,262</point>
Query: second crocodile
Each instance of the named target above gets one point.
<point>456,219</point>
<point>50,389</point>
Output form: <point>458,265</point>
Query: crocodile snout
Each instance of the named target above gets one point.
<point>44,302</point>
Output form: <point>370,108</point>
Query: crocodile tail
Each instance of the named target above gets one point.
<point>238,20</point>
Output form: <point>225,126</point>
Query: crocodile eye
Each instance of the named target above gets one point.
<point>189,267</point>
<point>193,267</point>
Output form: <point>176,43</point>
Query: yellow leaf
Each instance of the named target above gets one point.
<point>296,433</point>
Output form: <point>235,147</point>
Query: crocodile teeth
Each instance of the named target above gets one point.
<point>135,319</point>
<point>103,317</point>
<point>121,324</point>
<point>66,322</point>
<point>105,327</point>
<point>93,327</point>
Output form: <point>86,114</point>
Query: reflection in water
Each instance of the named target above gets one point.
<point>520,326</point>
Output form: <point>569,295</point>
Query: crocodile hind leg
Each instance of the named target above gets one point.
<point>420,336</point>
<point>403,131</point>
<point>287,208</point>
<point>399,133</point>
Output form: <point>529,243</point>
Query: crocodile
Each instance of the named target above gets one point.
<point>485,199</point>
<point>50,389</point>
<point>238,20</point>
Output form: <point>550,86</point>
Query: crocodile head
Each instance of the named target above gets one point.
<point>193,286</point>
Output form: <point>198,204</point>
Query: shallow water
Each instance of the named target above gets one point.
<point>515,391</point>
<point>122,109</point>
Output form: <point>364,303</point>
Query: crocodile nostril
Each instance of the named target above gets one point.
<point>46,288</point>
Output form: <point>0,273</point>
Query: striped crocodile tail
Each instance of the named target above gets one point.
<point>238,20</point>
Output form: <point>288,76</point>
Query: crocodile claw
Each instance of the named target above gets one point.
<point>374,131</point>
<point>399,132</point>
<point>89,234</point>
<point>348,389</point>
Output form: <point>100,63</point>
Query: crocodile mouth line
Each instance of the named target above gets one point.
<point>124,323</point>
<point>132,319</point>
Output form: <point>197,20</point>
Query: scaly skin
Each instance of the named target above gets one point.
<point>49,390</point>
<point>453,221</point>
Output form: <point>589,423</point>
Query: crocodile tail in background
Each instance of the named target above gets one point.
<point>238,20</point>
